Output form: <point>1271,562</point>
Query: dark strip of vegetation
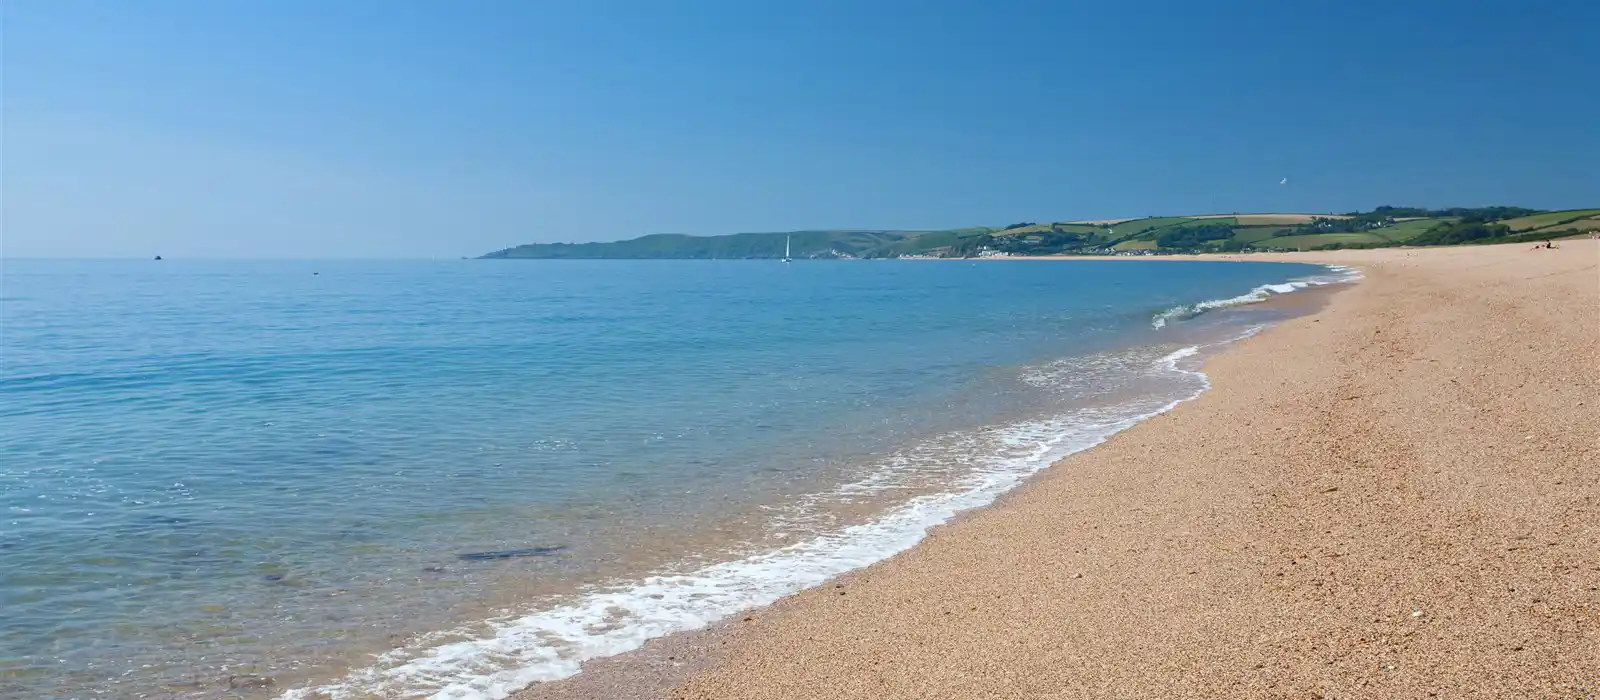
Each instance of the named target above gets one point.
<point>1193,236</point>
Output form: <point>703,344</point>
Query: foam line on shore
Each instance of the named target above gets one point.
<point>1336,274</point>
<point>491,660</point>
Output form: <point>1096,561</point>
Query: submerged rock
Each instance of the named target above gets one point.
<point>249,681</point>
<point>509,553</point>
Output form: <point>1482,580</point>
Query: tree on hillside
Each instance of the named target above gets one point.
<point>1194,236</point>
<point>1460,232</point>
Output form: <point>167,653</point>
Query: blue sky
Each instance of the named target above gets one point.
<point>370,128</point>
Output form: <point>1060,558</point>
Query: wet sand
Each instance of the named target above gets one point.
<point>1395,496</point>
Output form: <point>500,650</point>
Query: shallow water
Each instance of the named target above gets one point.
<point>257,474</point>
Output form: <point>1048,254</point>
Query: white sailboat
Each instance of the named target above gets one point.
<point>786,249</point>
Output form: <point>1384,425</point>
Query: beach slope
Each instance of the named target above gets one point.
<point>1398,496</point>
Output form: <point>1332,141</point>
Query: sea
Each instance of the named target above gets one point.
<point>452,479</point>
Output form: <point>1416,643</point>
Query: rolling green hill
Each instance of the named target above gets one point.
<point>1137,226</point>
<point>803,244</point>
<point>1057,227</point>
<point>927,243</point>
<point>1307,242</point>
<point>1383,226</point>
<point>1553,219</point>
<point>1252,234</point>
<point>1402,231</point>
<point>1579,226</point>
<point>1134,244</point>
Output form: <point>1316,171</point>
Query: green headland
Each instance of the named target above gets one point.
<point>1206,233</point>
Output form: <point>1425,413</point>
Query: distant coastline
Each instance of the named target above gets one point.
<point>1197,234</point>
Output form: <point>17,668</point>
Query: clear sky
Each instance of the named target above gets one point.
<point>373,128</point>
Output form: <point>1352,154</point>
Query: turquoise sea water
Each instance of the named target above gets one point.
<point>249,478</point>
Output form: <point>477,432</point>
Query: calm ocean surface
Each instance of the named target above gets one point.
<point>399,479</point>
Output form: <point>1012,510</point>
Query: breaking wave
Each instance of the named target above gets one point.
<point>1337,274</point>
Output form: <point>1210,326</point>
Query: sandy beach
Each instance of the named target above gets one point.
<point>1395,496</point>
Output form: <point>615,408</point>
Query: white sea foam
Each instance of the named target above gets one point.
<point>491,660</point>
<point>1336,274</point>
<point>1170,361</point>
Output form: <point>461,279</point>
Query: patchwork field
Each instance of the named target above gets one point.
<point>1255,234</point>
<point>1135,244</point>
<point>1547,219</point>
<point>1581,225</point>
<point>1408,229</point>
<point>1274,219</point>
<point>1264,230</point>
<point>1314,240</point>
<point>1099,222</point>
<point>1138,226</point>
